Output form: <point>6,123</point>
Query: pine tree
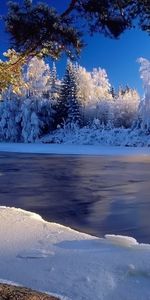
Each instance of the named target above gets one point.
<point>38,29</point>
<point>53,80</point>
<point>112,92</point>
<point>68,110</point>
<point>54,85</point>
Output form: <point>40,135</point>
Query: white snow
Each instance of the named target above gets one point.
<point>4,281</point>
<point>121,240</point>
<point>99,137</point>
<point>50,257</point>
<point>69,149</point>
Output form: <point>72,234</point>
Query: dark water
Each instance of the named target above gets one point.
<point>96,195</point>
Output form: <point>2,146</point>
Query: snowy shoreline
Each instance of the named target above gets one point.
<point>51,257</point>
<point>72,149</point>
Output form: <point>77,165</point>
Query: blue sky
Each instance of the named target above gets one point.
<point>118,57</point>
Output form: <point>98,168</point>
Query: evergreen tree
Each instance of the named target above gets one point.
<point>112,92</point>
<point>68,110</point>
<point>53,78</point>
<point>54,85</point>
<point>37,29</point>
<point>37,26</point>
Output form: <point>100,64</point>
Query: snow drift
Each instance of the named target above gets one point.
<point>50,257</point>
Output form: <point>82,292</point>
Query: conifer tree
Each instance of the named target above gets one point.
<point>68,110</point>
<point>54,85</point>
<point>38,29</point>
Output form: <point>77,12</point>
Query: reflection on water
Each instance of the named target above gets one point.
<point>96,195</point>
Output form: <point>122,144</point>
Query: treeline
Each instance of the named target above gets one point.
<point>80,99</point>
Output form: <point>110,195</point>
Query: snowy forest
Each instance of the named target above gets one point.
<point>82,107</point>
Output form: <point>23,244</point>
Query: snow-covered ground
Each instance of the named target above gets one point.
<point>72,149</point>
<point>50,257</point>
<point>102,137</point>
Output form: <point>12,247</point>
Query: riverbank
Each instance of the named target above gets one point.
<point>99,136</point>
<point>72,149</point>
<point>9,291</point>
<point>50,257</point>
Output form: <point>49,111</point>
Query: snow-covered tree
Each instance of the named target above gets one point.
<point>125,107</point>
<point>93,85</point>
<point>37,118</point>
<point>54,86</point>
<point>144,107</point>
<point>85,85</point>
<point>85,92</point>
<point>53,90</point>
<point>10,120</point>
<point>95,93</point>
<point>101,84</point>
<point>37,107</point>
<point>37,77</point>
<point>68,110</point>
<point>102,95</point>
<point>30,121</point>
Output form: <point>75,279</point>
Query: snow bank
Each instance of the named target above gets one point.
<point>102,137</point>
<point>50,257</point>
<point>72,149</point>
<point>125,241</point>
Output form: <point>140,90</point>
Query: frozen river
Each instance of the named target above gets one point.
<point>94,194</point>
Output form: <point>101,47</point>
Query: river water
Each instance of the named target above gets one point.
<point>93,194</point>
